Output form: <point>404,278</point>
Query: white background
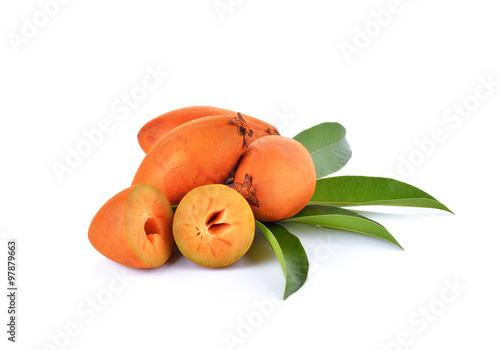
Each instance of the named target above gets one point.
<point>281,61</point>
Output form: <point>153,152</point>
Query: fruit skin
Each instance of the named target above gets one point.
<point>153,130</point>
<point>134,228</point>
<point>213,226</point>
<point>200,152</point>
<point>276,175</point>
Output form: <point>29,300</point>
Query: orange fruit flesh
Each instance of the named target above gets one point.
<point>213,226</point>
<point>148,222</point>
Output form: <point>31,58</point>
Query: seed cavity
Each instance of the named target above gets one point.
<point>215,218</point>
<point>217,229</point>
<point>151,226</point>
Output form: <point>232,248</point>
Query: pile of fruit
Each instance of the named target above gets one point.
<point>223,173</point>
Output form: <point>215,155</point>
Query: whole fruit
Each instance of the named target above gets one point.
<point>200,152</point>
<point>276,175</point>
<point>153,130</point>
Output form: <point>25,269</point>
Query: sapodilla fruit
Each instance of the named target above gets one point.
<point>134,228</point>
<point>200,152</point>
<point>276,175</point>
<point>213,226</point>
<point>153,130</point>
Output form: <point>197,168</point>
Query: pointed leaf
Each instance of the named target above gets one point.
<point>345,191</point>
<point>328,146</point>
<point>290,253</point>
<point>342,219</point>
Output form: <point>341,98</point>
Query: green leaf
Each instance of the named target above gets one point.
<point>328,146</point>
<point>290,253</point>
<point>345,191</point>
<point>342,219</point>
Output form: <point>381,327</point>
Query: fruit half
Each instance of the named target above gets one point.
<point>134,228</point>
<point>213,226</point>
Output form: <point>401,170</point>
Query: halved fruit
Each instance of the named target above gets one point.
<point>213,225</point>
<point>134,228</point>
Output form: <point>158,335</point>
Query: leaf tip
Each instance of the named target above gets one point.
<point>448,210</point>
<point>444,208</point>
